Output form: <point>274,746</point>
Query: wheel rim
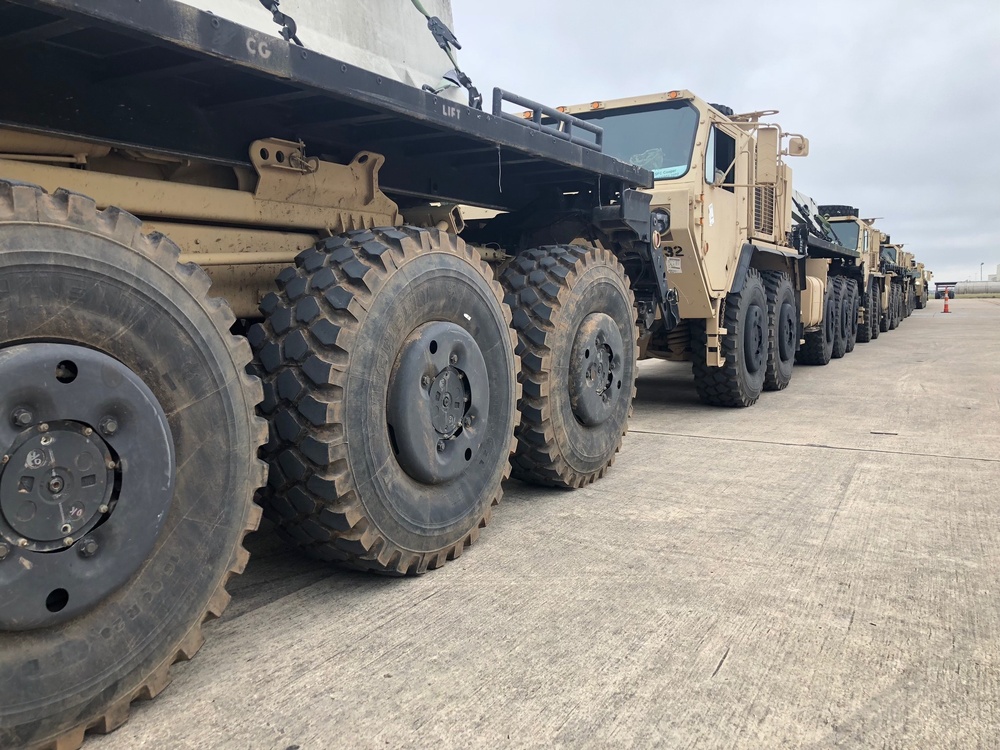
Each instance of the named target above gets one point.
<point>755,339</point>
<point>438,405</point>
<point>595,369</point>
<point>86,480</point>
<point>830,324</point>
<point>787,331</point>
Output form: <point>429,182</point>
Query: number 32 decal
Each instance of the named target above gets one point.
<point>673,252</point>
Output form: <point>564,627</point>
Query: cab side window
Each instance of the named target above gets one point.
<point>720,160</point>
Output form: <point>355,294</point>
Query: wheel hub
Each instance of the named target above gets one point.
<point>595,369</point>
<point>56,485</point>
<point>449,397</point>
<point>787,332</point>
<point>86,479</point>
<point>755,340</point>
<point>438,402</point>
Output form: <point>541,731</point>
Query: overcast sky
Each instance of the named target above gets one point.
<point>900,98</point>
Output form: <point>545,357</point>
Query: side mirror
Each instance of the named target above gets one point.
<point>798,145</point>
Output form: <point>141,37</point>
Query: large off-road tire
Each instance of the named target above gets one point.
<point>740,380</point>
<point>875,300</point>
<point>911,302</point>
<point>852,303</point>
<point>818,349</point>
<point>574,314</point>
<point>894,307</point>
<point>868,328</point>
<point>117,363</point>
<point>843,328</point>
<point>921,301</point>
<point>390,388</point>
<point>783,330</point>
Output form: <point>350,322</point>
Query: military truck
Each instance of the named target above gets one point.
<point>860,234</point>
<point>895,264</point>
<point>923,286</point>
<point>182,197</point>
<point>746,284</point>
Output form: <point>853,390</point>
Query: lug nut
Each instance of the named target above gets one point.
<point>68,541</point>
<point>453,359</point>
<point>21,417</point>
<point>22,542</point>
<point>5,460</point>
<point>4,551</point>
<point>47,440</point>
<point>102,509</point>
<point>111,464</point>
<point>88,547</point>
<point>440,446</point>
<point>87,432</point>
<point>467,422</point>
<point>109,426</point>
<point>66,528</point>
<point>425,381</point>
<point>43,427</point>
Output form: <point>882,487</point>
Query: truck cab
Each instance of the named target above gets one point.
<point>719,177</point>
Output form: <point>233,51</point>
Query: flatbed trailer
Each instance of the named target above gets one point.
<point>162,168</point>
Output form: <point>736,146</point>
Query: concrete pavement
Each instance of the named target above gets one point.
<point>820,570</point>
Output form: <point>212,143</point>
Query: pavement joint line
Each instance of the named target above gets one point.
<point>814,445</point>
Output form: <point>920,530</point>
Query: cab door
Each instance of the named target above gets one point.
<point>721,208</point>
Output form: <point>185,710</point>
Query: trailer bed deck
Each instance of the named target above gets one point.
<point>162,76</point>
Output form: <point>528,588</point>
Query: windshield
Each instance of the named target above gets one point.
<point>660,140</point>
<point>847,233</point>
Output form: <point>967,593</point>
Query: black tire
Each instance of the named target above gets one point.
<point>894,312</point>
<point>572,418</point>
<point>818,349</point>
<point>842,332</point>
<point>783,330</point>
<point>852,302</point>
<point>723,109</point>
<point>868,328</point>
<point>344,484</point>
<point>94,282</point>
<point>739,382</point>
<point>885,316</point>
<point>876,308</point>
<point>922,301</point>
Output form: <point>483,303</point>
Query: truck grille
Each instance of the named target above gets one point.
<point>763,209</point>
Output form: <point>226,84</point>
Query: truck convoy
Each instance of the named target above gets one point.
<point>218,246</point>
<point>758,277</point>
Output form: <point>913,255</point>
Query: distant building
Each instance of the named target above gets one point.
<point>995,276</point>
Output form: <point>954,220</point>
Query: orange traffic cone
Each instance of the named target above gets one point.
<point>946,301</point>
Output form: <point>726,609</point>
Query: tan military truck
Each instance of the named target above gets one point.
<point>895,263</point>
<point>747,284</point>
<point>923,283</point>
<point>182,196</point>
<point>860,234</point>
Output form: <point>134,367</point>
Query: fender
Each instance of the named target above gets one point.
<point>742,268</point>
